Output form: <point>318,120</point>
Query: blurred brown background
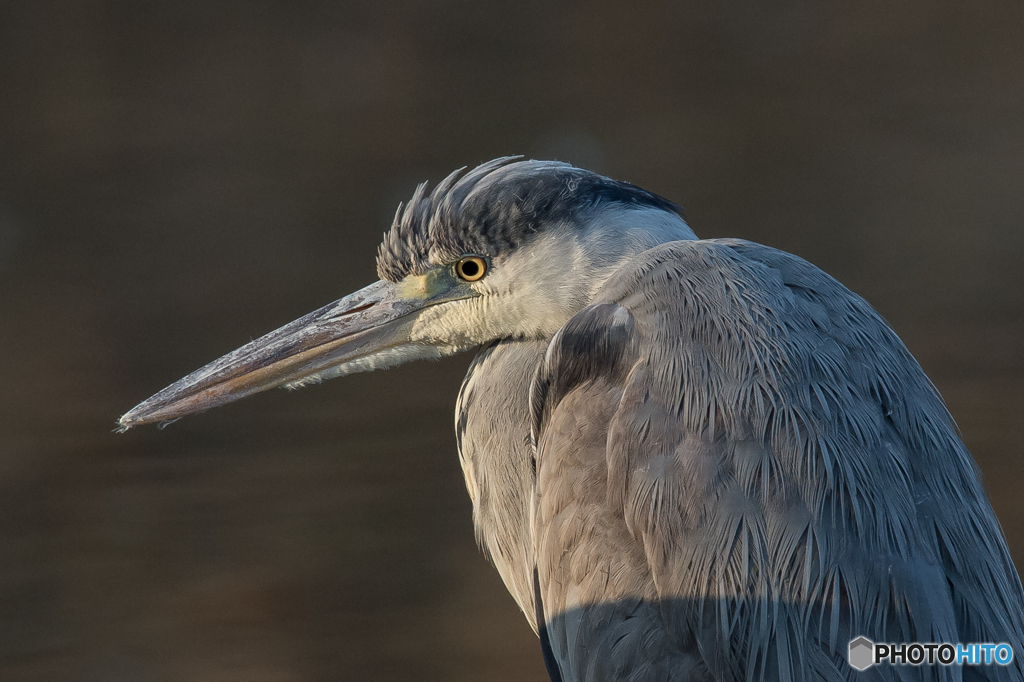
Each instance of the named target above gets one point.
<point>177,177</point>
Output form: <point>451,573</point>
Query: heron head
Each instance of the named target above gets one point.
<point>511,249</point>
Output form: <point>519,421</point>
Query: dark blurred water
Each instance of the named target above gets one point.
<point>178,177</point>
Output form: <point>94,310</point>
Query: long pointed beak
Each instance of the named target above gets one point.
<point>374,321</point>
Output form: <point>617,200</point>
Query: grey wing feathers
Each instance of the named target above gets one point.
<point>773,466</point>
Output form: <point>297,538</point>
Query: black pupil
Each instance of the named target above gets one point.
<point>470,268</point>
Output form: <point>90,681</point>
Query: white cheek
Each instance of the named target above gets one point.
<point>458,324</point>
<point>534,290</point>
<point>541,286</point>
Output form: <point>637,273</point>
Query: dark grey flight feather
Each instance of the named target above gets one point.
<point>494,208</point>
<point>739,469</point>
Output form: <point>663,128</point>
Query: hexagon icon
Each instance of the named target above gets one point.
<point>862,653</point>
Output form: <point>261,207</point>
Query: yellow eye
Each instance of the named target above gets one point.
<point>471,268</point>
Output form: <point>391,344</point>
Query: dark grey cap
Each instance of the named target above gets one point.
<point>494,208</point>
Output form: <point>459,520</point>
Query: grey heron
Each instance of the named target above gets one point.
<point>688,459</point>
